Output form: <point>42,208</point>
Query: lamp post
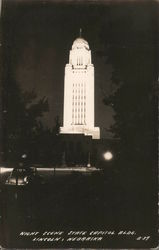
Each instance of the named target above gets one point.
<point>89,160</point>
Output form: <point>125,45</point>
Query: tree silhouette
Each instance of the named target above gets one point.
<point>24,111</point>
<point>47,149</point>
<point>133,57</point>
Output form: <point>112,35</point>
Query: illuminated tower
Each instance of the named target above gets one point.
<point>78,117</point>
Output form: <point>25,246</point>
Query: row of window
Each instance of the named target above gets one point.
<point>75,92</point>
<point>79,97</point>
<point>78,103</point>
<point>79,85</point>
<point>75,110</point>
<point>81,71</point>
<point>78,91</point>
<point>78,116</point>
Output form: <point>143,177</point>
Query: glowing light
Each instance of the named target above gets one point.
<point>108,156</point>
<point>24,156</point>
<point>5,170</point>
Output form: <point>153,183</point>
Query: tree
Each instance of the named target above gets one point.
<point>132,54</point>
<point>47,150</point>
<point>24,111</point>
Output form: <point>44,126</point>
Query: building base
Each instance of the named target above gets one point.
<point>78,129</point>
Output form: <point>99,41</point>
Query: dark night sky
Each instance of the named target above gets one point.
<point>40,35</point>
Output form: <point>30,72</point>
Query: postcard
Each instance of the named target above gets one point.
<point>78,132</point>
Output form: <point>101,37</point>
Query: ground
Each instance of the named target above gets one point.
<point>96,202</point>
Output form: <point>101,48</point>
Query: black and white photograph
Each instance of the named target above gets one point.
<point>78,124</point>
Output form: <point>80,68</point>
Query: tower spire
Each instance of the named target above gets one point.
<point>80,33</point>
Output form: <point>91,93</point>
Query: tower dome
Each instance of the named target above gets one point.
<point>80,43</point>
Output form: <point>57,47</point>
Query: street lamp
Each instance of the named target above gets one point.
<point>108,156</point>
<point>24,156</point>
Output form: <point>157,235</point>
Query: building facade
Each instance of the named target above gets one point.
<point>79,113</point>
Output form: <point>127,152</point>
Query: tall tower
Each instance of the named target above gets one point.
<point>78,117</point>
